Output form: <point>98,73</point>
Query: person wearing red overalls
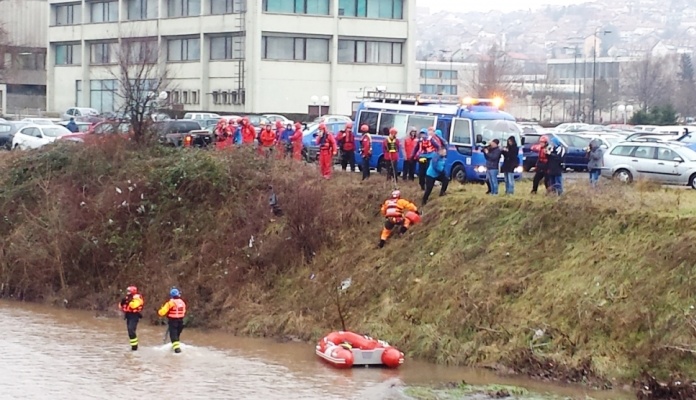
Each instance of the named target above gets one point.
<point>268,140</point>
<point>365,150</point>
<point>346,141</point>
<point>248,131</point>
<point>175,311</point>
<point>296,140</point>
<point>132,305</point>
<point>397,212</point>
<point>327,150</point>
<point>410,159</point>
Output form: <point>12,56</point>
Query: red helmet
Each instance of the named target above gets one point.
<point>298,125</point>
<point>322,127</point>
<point>544,139</point>
<point>349,125</point>
<point>279,124</point>
<point>132,290</point>
<point>396,194</point>
<point>393,131</point>
<point>364,128</point>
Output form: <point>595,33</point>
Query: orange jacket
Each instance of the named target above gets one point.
<point>174,308</point>
<point>268,138</point>
<point>133,304</point>
<point>248,133</point>
<point>395,208</point>
<point>409,147</point>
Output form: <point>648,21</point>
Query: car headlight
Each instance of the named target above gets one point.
<point>518,170</point>
<point>480,169</point>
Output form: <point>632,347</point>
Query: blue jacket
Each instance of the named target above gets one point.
<point>437,166</point>
<point>285,136</point>
<point>237,138</point>
<point>439,134</point>
<point>72,127</point>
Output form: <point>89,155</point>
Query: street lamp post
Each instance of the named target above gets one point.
<point>594,72</point>
<point>624,109</point>
<point>451,70</point>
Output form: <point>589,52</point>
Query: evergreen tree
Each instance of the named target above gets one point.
<point>686,70</point>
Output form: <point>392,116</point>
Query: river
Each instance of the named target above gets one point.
<point>54,353</point>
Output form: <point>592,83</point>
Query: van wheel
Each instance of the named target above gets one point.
<point>459,174</point>
<point>623,176</point>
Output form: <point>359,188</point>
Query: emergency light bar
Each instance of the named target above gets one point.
<point>421,98</point>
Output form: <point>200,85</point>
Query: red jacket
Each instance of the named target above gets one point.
<point>366,144</point>
<point>347,140</point>
<point>409,147</point>
<point>391,149</point>
<point>543,157</point>
<point>327,143</point>
<point>248,133</point>
<point>268,137</point>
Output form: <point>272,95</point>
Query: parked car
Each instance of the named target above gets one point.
<point>200,116</point>
<point>571,127</point>
<point>82,126</point>
<point>100,129</point>
<point>276,117</point>
<point>576,154</point>
<point>529,157</point>
<point>182,133</point>
<point>8,130</point>
<point>328,119</point>
<point>663,162</point>
<point>607,141</point>
<point>81,114</point>
<point>310,149</point>
<point>35,136</point>
<point>39,121</point>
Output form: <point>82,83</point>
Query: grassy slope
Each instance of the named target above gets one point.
<point>606,275</point>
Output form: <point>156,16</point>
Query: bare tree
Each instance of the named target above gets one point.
<point>650,81</point>
<point>605,97</point>
<point>141,76</point>
<point>493,78</point>
<point>546,97</point>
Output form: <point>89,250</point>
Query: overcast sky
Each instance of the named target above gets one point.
<point>487,5</point>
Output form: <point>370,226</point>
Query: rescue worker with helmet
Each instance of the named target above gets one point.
<point>132,305</point>
<point>268,140</point>
<point>398,212</point>
<point>424,151</point>
<point>296,140</point>
<point>327,150</point>
<point>346,142</point>
<point>410,159</point>
<point>365,150</point>
<point>284,143</point>
<point>175,311</point>
<point>392,148</point>
<point>248,131</point>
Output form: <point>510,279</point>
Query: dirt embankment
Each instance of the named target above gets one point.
<point>585,288</point>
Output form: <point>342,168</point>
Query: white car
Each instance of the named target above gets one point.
<point>35,136</point>
<point>199,116</point>
<point>80,114</point>
<point>277,117</point>
<point>39,121</point>
<point>328,119</point>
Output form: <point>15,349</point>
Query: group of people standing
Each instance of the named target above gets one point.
<point>284,141</point>
<point>549,165</point>
<point>510,156</point>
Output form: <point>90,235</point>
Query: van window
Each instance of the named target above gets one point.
<point>487,130</point>
<point>625,151</point>
<point>370,119</point>
<point>461,132</point>
<point>444,126</point>
<point>421,121</point>
<point>398,121</point>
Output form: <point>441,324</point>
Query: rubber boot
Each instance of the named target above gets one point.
<point>381,243</point>
<point>134,348</point>
<point>177,351</point>
<point>402,230</point>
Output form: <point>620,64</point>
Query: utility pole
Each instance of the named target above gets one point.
<point>594,72</point>
<point>452,72</point>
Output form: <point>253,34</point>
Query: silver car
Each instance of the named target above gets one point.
<point>665,162</point>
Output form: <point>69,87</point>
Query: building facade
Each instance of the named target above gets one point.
<point>23,42</point>
<point>234,56</point>
<point>438,77</point>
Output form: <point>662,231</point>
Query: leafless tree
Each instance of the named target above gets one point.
<point>605,97</point>
<point>546,96</point>
<point>493,77</point>
<point>650,80</point>
<point>141,76</point>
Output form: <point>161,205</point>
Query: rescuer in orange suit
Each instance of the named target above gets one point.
<point>132,305</point>
<point>398,212</point>
<point>296,140</point>
<point>268,140</point>
<point>248,131</point>
<point>175,311</point>
<point>327,150</point>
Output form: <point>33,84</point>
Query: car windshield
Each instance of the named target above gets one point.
<point>55,131</point>
<point>689,138</point>
<point>574,141</point>
<point>5,128</point>
<point>487,130</point>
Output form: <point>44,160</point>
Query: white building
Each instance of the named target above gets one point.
<point>235,55</point>
<point>438,77</point>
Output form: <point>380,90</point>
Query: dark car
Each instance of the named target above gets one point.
<point>576,150</point>
<point>7,132</point>
<point>182,133</point>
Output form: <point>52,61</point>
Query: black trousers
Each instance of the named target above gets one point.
<point>540,175</point>
<point>366,166</point>
<point>348,157</point>
<point>132,320</point>
<point>176,325</point>
<point>422,169</point>
<point>409,169</point>
<point>392,173</point>
<point>430,184</point>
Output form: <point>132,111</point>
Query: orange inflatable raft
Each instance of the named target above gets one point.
<point>346,349</point>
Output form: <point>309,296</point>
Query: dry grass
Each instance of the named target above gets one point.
<point>606,274</point>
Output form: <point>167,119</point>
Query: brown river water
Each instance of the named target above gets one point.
<point>53,353</point>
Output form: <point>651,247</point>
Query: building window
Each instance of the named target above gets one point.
<point>102,94</point>
<point>438,89</point>
<point>437,74</point>
<point>142,51</point>
<point>382,9</point>
<point>184,49</point>
<point>30,61</point>
<point>103,53</point>
<point>227,48</point>
<point>68,54</point>
<point>295,49</point>
<point>367,52</point>
<point>67,14</point>
<point>78,93</point>
<point>142,9</point>
<point>183,8</point>
<point>227,6</point>
<point>314,7</point>
<point>105,11</point>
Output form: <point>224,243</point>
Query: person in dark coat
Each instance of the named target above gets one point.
<point>510,162</point>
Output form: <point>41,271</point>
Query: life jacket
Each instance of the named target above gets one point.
<point>325,143</point>
<point>427,146</point>
<point>394,210</point>
<point>126,307</point>
<point>366,143</point>
<point>391,145</point>
<point>177,309</point>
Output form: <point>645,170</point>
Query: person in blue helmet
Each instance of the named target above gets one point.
<point>556,153</point>
<point>175,311</point>
<point>424,151</point>
<point>440,138</point>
